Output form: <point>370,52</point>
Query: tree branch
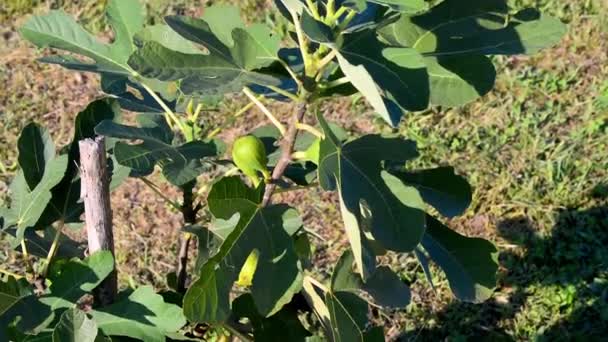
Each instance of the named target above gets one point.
<point>287,145</point>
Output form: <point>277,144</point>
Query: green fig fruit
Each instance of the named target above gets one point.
<point>248,270</point>
<point>249,155</point>
<point>311,154</point>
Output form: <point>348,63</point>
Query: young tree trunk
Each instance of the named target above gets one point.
<point>95,185</point>
<point>189,212</point>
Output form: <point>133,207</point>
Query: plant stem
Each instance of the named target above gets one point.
<point>316,283</point>
<point>182,268</point>
<point>290,71</point>
<point>306,58</point>
<point>313,9</point>
<point>53,249</point>
<point>157,191</point>
<point>287,145</point>
<point>335,83</point>
<point>246,108</point>
<point>170,115</point>
<point>95,194</point>
<point>264,110</point>
<point>197,112</point>
<point>328,58</point>
<point>240,112</point>
<point>347,20</point>
<point>340,12</point>
<point>230,172</point>
<point>9,273</point>
<point>330,8</point>
<point>283,92</point>
<point>310,129</point>
<point>26,257</point>
<point>189,212</point>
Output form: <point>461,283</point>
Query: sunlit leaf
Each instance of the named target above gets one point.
<point>315,30</point>
<point>226,68</point>
<point>343,314</point>
<point>165,36</point>
<point>355,169</point>
<point>60,31</point>
<point>78,277</point>
<point>75,326</point>
<point>453,39</point>
<point>12,291</point>
<point>27,205</point>
<point>348,313</point>
<point>391,79</point>
<point>404,6</point>
<point>141,315</point>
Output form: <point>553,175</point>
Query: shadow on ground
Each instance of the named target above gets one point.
<point>561,280</point>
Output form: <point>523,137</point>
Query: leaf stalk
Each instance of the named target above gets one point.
<point>53,249</point>
<point>26,257</point>
<point>283,92</point>
<point>303,43</point>
<point>336,83</point>
<point>310,129</point>
<point>325,61</point>
<point>157,191</point>
<point>265,110</point>
<point>312,6</point>
<point>171,117</point>
<point>330,8</point>
<point>237,114</point>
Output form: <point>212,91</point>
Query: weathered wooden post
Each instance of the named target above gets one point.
<point>95,192</point>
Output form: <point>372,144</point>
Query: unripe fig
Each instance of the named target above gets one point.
<point>249,155</point>
<point>311,154</point>
<point>248,270</point>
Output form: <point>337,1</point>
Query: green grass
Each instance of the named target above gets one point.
<point>536,152</point>
<point>535,149</point>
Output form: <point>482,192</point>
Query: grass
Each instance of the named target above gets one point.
<point>535,149</point>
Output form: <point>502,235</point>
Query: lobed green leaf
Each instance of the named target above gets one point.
<point>277,276</point>
<point>180,163</point>
<point>60,31</point>
<point>233,53</point>
<point>355,169</point>
<point>470,264</point>
<point>141,315</point>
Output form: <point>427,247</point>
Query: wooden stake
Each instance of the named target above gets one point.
<point>95,191</point>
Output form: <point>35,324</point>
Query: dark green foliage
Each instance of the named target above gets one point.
<point>399,55</point>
